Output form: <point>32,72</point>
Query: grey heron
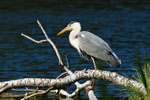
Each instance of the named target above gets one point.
<point>90,46</point>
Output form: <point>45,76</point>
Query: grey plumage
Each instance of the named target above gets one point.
<point>92,45</point>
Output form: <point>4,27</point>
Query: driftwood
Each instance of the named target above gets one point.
<point>58,83</point>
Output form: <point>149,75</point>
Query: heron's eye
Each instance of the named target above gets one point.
<point>69,25</point>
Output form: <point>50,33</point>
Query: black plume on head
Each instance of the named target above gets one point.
<point>72,22</point>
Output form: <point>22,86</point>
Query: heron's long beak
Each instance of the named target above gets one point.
<point>64,30</point>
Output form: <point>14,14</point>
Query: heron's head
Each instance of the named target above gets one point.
<point>71,26</point>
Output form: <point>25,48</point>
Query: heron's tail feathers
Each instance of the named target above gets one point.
<point>114,60</point>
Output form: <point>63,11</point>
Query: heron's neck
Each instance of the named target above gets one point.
<point>73,34</point>
<point>73,38</point>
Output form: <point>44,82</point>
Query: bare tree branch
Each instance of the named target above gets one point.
<point>51,42</point>
<point>41,41</point>
<point>36,93</point>
<point>84,74</point>
<point>86,85</point>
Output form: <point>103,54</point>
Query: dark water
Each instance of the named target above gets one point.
<point>125,25</point>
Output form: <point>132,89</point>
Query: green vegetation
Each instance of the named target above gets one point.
<point>143,75</point>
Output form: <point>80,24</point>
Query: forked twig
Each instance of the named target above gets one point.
<point>41,41</point>
<point>37,93</point>
<point>51,42</point>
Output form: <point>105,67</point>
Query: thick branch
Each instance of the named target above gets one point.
<point>84,74</point>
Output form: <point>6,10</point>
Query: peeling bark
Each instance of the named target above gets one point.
<point>78,75</point>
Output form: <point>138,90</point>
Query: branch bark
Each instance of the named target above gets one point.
<point>84,74</point>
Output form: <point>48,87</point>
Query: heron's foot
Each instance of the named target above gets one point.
<point>93,82</point>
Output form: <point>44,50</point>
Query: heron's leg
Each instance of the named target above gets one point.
<point>93,80</point>
<point>94,63</point>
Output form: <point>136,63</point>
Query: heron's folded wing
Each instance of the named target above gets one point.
<point>93,45</point>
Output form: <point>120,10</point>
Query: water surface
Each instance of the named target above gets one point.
<point>125,26</point>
